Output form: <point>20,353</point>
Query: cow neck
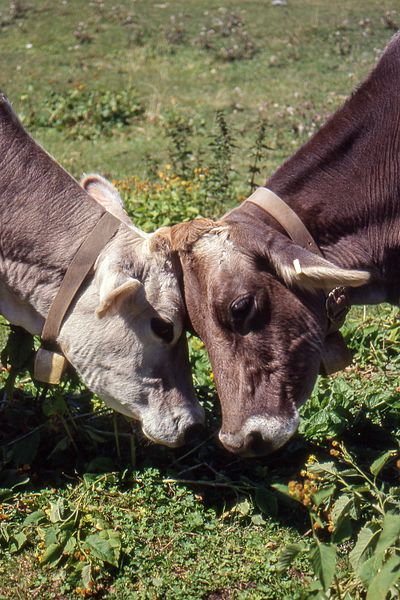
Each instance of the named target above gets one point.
<point>45,216</point>
<point>344,183</point>
<point>52,231</point>
<point>49,363</point>
<point>76,273</point>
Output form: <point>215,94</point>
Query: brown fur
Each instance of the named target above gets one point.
<point>184,235</point>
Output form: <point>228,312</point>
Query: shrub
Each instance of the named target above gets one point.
<point>85,114</point>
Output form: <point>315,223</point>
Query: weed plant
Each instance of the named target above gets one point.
<point>84,114</point>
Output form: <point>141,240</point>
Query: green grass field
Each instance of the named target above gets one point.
<point>187,106</point>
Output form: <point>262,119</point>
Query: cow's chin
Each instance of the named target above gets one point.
<point>172,430</point>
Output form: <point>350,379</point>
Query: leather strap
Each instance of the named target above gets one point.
<point>76,273</point>
<point>292,224</point>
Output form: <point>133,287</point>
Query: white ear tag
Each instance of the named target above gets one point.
<point>49,366</point>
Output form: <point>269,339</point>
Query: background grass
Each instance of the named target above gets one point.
<point>132,90</point>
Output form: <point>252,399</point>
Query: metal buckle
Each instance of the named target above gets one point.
<point>337,306</point>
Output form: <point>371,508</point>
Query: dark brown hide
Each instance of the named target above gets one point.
<point>264,328</point>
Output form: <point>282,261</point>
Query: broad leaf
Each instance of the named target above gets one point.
<point>243,507</point>
<point>105,545</point>
<point>323,560</point>
<point>388,575</point>
<point>380,462</point>
<point>34,518</point>
<point>366,541</point>
<point>17,541</point>
<point>52,554</point>
<point>343,531</point>
<point>57,510</point>
<point>389,534</point>
<point>287,556</point>
<point>87,575</point>
<point>341,508</point>
<point>323,494</point>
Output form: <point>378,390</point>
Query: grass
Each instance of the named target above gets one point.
<point>90,509</point>
<point>309,55</point>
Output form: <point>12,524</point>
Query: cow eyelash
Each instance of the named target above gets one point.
<point>162,329</point>
<point>241,307</point>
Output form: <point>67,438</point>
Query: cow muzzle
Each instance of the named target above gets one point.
<point>260,435</point>
<point>176,430</point>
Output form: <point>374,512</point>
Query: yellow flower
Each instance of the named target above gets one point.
<point>311,459</point>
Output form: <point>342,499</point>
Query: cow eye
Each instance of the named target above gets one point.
<point>162,329</point>
<point>241,308</point>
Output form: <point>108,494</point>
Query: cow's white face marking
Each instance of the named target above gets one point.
<point>274,432</point>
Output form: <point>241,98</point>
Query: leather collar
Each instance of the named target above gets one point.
<point>50,364</point>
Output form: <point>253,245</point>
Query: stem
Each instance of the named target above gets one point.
<point>69,434</point>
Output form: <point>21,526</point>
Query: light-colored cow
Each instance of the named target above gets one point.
<point>123,332</point>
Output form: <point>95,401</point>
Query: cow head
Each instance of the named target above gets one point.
<point>262,320</point>
<point>124,332</point>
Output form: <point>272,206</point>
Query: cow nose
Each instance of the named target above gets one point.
<point>252,444</point>
<point>255,445</point>
<point>261,434</point>
<point>194,433</point>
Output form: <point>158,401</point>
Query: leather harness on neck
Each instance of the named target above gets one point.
<point>335,355</point>
<point>49,364</point>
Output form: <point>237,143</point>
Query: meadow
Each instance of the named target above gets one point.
<point>187,106</point>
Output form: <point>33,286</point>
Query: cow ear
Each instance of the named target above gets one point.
<point>105,194</point>
<point>114,287</point>
<point>303,269</point>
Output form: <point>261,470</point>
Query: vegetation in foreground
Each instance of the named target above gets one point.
<point>89,508</point>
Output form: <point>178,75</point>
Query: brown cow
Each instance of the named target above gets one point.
<point>263,321</point>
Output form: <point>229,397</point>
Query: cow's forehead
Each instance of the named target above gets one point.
<point>216,250</point>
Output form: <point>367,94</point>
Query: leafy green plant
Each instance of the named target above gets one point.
<point>85,114</point>
<point>179,132</point>
<point>256,155</point>
<point>350,504</point>
<point>220,169</point>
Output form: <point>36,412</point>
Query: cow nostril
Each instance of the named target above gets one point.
<point>255,445</point>
<point>194,433</point>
